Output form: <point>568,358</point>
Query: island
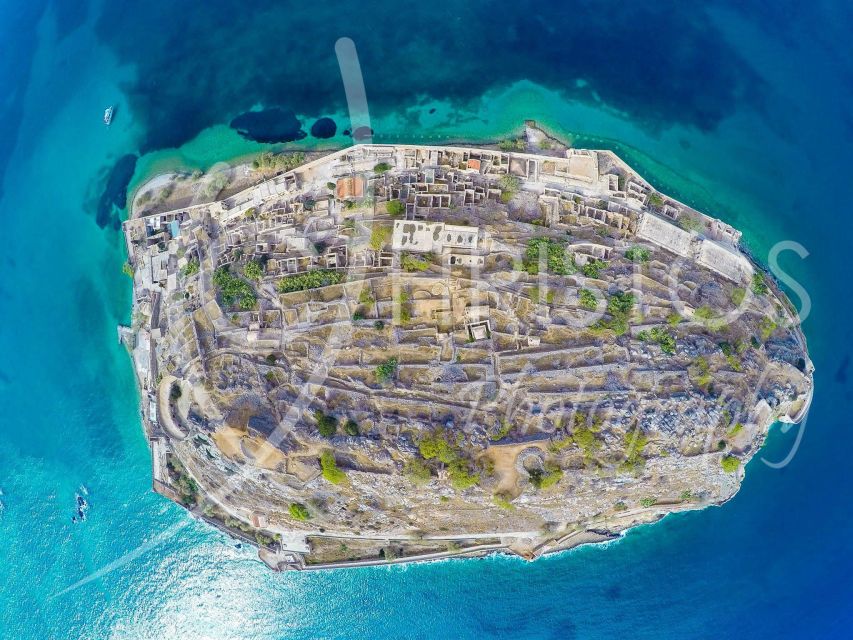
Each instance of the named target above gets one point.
<point>397,353</point>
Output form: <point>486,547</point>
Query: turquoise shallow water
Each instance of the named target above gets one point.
<point>753,128</point>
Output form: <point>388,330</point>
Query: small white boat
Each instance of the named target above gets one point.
<point>108,115</point>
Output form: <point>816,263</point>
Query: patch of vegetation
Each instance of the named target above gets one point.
<point>709,317</point>
<point>673,319</point>
<point>557,260</point>
<point>127,270</point>
<point>396,208</point>
<point>185,486</point>
<point>233,290</point>
<point>192,267</point>
<point>310,280</point>
<point>351,428</point>
<point>664,339</point>
<point>365,297</point>
<point>379,325</point>
<point>634,442</point>
<point>413,263</point>
<point>253,270</point>
<point>380,234</point>
<point>278,161</point>
<point>759,284</point>
<point>619,306</point>
<point>299,511</point>
<point>700,372</point>
<point>585,434</point>
<point>327,425</point>
<point>460,474</point>
<point>593,268</point>
<point>655,200</point>
<point>689,223</point>
<point>417,471</point>
<point>509,187</point>
<point>735,430</point>
<point>737,296</point>
<point>638,254</point>
<point>620,506</point>
<point>502,432</point>
<point>405,308</point>
<point>546,477</point>
<point>381,168</point>
<point>730,464</point>
<point>331,472</point>
<point>503,500</point>
<point>649,502</point>
<point>588,299</point>
<point>386,371</point>
<point>686,496</point>
<point>767,326</point>
<point>516,144</point>
<point>436,446</point>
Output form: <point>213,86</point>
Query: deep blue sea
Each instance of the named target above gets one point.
<point>740,108</point>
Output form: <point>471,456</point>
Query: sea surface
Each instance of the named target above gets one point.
<point>741,109</point>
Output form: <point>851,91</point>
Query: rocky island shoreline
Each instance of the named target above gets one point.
<point>395,353</point>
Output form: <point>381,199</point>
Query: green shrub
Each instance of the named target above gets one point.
<point>233,290</point>
<point>327,425</point>
<point>655,200</point>
<point>381,168</point>
<point>673,319</point>
<point>638,254</point>
<point>730,464</point>
<point>460,475</point>
<point>299,511</point>
<point>413,263</point>
<point>417,471</point>
<point>664,339</point>
<point>192,267</point>
<point>558,261</point>
<point>127,270</point>
<point>620,506</point>
<point>310,280</point>
<point>502,432</point>
<point>546,477</point>
<point>253,270</point>
<point>330,468</point>
<point>588,299</point>
<point>648,502</point>
<point>396,208</point>
<point>738,294</point>
<point>503,500</point>
<point>351,428</point>
<point>735,430</point>
<point>380,234</point>
<point>759,284</point>
<point>509,185</point>
<point>386,370</point>
<point>436,446</point>
<point>593,268</point>
<point>767,326</point>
